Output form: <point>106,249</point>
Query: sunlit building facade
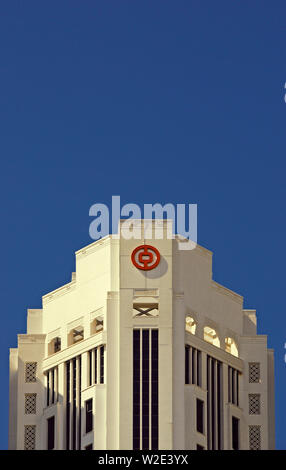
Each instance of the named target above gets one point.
<point>124,357</point>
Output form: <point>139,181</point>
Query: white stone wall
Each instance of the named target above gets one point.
<point>107,284</point>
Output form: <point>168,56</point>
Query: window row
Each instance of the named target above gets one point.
<point>211,336</point>
<point>214,410</point>
<point>51,427</point>
<point>75,335</point>
<point>193,373</point>
<point>51,386</point>
<point>96,366</point>
<point>233,386</point>
<point>193,366</point>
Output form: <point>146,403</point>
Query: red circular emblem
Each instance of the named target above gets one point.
<point>145,257</point>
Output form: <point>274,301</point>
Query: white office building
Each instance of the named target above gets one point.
<point>142,349</point>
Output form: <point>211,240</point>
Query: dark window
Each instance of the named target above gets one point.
<point>102,364</point>
<point>68,405</point>
<point>145,390</point>
<point>79,417</point>
<point>95,366</point>
<point>219,387</point>
<point>89,447</point>
<point>193,365</point>
<point>88,415</point>
<point>89,367</point>
<point>199,368</point>
<point>199,447</point>
<point>51,433</point>
<point>200,416</point>
<point>187,364</point>
<point>48,389</point>
<point>148,341</point>
<point>154,392</point>
<point>214,404</point>
<point>235,433</point>
<point>136,389</point>
<point>57,344</point>
<point>74,365</point>
<point>53,386</point>
<point>233,386</point>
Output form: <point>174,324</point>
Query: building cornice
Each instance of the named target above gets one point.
<point>225,291</point>
<point>74,350</point>
<point>86,250</point>
<point>69,287</point>
<point>22,338</point>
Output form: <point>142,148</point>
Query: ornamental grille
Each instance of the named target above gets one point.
<point>30,403</point>
<point>254,372</point>
<point>30,372</point>
<point>30,437</point>
<point>254,438</point>
<point>254,404</point>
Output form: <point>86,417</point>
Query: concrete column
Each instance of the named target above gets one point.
<point>178,371</point>
<point>204,370</point>
<point>112,370</point>
<point>92,365</point>
<point>50,388</point>
<point>84,370</point>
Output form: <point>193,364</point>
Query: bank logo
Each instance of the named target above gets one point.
<point>145,257</point>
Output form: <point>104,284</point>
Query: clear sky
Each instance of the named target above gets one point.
<point>155,101</point>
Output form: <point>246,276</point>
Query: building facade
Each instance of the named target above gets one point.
<point>141,351</point>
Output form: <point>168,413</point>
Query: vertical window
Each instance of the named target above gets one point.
<point>193,366</point>
<point>68,405</point>
<point>51,433</point>
<point>88,415</point>
<point>48,389</point>
<point>89,367</point>
<point>74,377</point>
<point>214,404</point>
<point>95,366</point>
<point>199,368</point>
<point>200,416</point>
<point>73,400</point>
<point>233,386</point>
<point>79,403</point>
<point>53,386</point>
<point>154,391</point>
<point>145,390</point>
<point>102,364</point>
<point>136,389</point>
<point>235,433</point>
<point>187,364</point>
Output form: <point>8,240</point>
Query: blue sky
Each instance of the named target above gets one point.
<point>94,94</point>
